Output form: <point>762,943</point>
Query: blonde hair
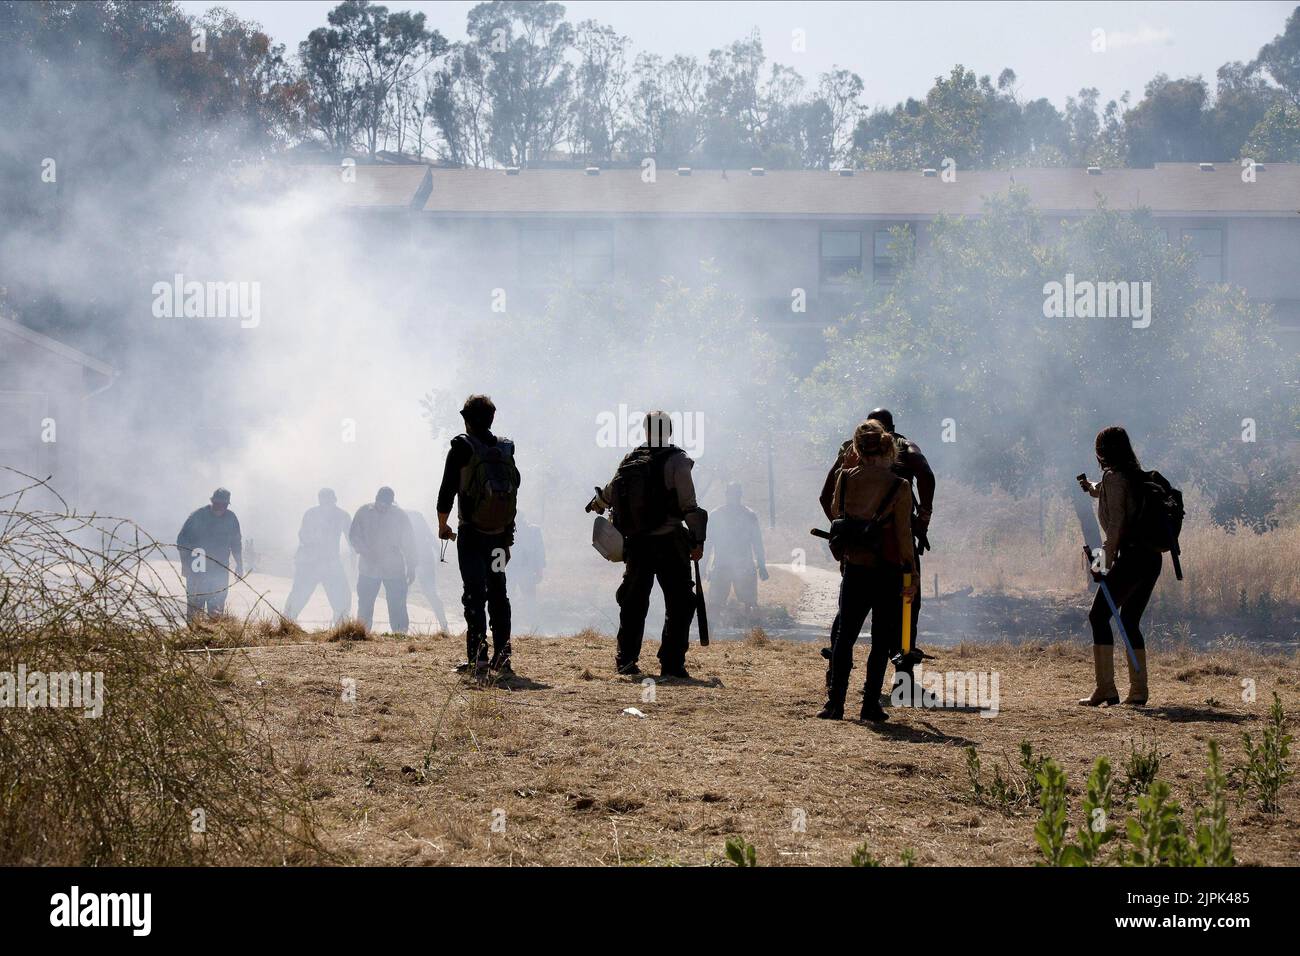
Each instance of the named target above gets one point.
<point>871,441</point>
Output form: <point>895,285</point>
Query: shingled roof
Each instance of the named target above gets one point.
<point>1168,189</point>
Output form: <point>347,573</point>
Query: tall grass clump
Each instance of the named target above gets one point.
<point>175,769</point>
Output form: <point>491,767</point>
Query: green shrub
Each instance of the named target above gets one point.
<point>1266,772</point>
<point>740,852</point>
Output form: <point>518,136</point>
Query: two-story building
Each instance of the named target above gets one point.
<point>768,232</point>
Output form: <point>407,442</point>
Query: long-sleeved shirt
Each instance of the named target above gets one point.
<point>678,481</point>
<point>217,535</point>
<point>458,456</point>
<point>735,539</point>
<point>319,534</point>
<point>385,541</point>
<point>909,464</point>
<point>1119,504</point>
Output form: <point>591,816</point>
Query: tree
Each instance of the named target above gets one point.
<point>529,81</point>
<point>602,79</point>
<point>1168,123</point>
<point>966,118</point>
<point>962,334</point>
<point>460,105</point>
<point>1280,59</point>
<point>357,65</point>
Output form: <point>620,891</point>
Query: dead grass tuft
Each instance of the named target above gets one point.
<point>347,630</point>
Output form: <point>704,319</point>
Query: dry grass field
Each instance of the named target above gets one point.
<point>423,767</point>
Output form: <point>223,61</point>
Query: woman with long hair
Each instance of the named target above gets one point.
<point>1130,567</point>
<point>872,566</point>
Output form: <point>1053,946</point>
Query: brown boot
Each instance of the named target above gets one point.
<point>1103,664</point>
<point>1137,680</point>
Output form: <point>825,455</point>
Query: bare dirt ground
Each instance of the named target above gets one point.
<point>424,768</point>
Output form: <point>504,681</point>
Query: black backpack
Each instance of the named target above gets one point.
<point>1160,519</point>
<point>642,502</point>
<point>489,485</point>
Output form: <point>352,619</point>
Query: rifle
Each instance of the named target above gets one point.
<point>1091,541</point>
<point>701,612</point>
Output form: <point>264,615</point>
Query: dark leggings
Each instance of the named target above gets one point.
<point>867,591</point>
<point>1131,580</point>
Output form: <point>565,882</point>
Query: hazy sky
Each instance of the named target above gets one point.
<point>898,48</point>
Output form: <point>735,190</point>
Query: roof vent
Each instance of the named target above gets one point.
<point>1094,170</point>
<point>512,170</point>
<point>592,170</point>
<point>929,172</point>
<point>756,170</point>
<point>683,170</point>
<point>845,172</point>
<point>1207,167</point>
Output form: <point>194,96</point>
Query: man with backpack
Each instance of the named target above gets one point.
<point>653,500</point>
<point>480,474</point>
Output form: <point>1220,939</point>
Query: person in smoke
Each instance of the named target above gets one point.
<point>872,567</point>
<point>528,564</point>
<point>1129,566</point>
<point>911,465</point>
<point>481,477</point>
<point>426,547</point>
<point>664,529</point>
<point>207,541</point>
<point>734,553</point>
<point>318,559</point>
<point>382,536</point>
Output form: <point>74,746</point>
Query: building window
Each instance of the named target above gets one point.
<point>888,252</point>
<point>841,254</point>
<point>1207,245</point>
<point>541,256</point>
<point>593,256</point>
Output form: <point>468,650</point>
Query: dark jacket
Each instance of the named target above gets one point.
<point>909,464</point>
<point>217,535</point>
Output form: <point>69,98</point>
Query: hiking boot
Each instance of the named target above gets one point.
<point>1103,665</point>
<point>680,672</point>
<point>1137,680</point>
<point>831,711</point>
<point>872,711</point>
<point>627,670</point>
<point>503,668</point>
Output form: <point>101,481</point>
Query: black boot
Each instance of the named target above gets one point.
<point>501,657</point>
<point>871,709</point>
<point>836,689</point>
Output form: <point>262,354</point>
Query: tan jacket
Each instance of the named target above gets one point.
<point>1119,504</point>
<point>861,491</point>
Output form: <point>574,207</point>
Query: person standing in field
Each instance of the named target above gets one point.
<point>207,542</point>
<point>480,476</point>
<point>319,559</point>
<point>382,536</point>
<point>1130,565</point>
<point>871,534</point>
